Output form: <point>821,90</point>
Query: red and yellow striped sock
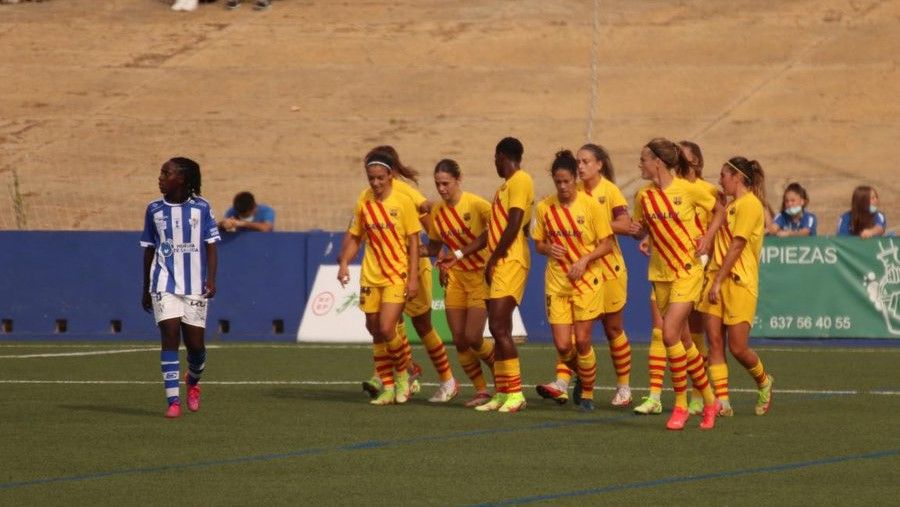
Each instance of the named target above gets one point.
<point>697,370</point>
<point>563,373</point>
<point>620,353</point>
<point>657,363</point>
<point>587,372</point>
<point>508,375</point>
<point>472,366</point>
<point>384,365</point>
<point>700,343</point>
<point>398,354</point>
<point>438,354</point>
<point>486,352</point>
<point>758,373</point>
<point>678,366</point>
<point>718,373</point>
<point>401,332</point>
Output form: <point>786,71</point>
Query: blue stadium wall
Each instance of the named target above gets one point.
<point>89,283</point>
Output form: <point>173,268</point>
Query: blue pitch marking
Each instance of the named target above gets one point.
<point>356,446</point>
<point>694,478</point>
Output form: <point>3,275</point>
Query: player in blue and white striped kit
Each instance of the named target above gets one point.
<point>180,260</point>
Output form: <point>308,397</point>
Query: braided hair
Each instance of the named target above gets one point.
<point>191,172</point>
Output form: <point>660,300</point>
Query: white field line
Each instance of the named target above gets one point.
<point>820,392</point>
<point>77,354</point>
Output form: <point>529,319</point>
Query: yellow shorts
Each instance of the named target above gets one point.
<point>583,306</point>
<point>615,293</point>
<point>465,289</point>
<point>371,298</point>
<point>703,305</point>
<point>508,280</point>
<point>422,301</point>
<point>739,303</point>
<point>683,290</point>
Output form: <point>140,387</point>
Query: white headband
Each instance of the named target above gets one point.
<point>738,170</point>
<point>378,162</point>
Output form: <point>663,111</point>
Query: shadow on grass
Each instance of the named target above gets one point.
<point>112,409</point>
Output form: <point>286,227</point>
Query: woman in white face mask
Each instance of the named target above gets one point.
<point>863,219</point>
<point>794,220</point>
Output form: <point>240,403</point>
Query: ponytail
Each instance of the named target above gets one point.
<point>406,172</point>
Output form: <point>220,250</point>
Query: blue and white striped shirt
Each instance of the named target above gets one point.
<point>179,231</point>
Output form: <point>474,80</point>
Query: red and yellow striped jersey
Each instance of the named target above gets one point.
<point>614,204</point>
<point>703,215</point>
<point>578,227</point>
<point>458,225</point>
<point>744,218</point>
<point>516,192</point>
<point>384,226</point>
<point>669,215</point>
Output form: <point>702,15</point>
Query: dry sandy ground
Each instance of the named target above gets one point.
<point>96,94</point>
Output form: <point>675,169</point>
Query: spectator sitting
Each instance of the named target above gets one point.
<point>246,215</point>
<point>863,219</point>
<point>794,220</point>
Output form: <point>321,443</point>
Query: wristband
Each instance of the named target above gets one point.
<point>458,254</point>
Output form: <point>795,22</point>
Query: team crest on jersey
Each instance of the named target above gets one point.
<point>393,212</point>
<point>601,199</point>
<point>193,222</point>
<point>467,216</point>
<point>166,248</point>
<point>580,219</point>
<point>677,201</point>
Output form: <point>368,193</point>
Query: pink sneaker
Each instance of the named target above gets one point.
<point>678,419</point>
<point>480,398</point>
<point>173,411</point>
<point>193,396</point>
<point>708,421</point>
<point>552,391</point>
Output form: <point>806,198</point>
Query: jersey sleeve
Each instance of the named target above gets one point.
<point>810,222</point>
<point>702,197</point>
<point>410,191</point>
<point>149,237</point>
<point>521,192</point>
<point>266,214</point>
<point>638,213</point>
<point>617,205</point>
<point>880,220</point>
<point>356,222</point>
<point>433,233</point>
<point>483,209</point>
<point>210,230</point>
<point>779,221</point>
<point>748,216</point>
<point>843,228</point>
<point>538,230</point>
<point>230,213</point>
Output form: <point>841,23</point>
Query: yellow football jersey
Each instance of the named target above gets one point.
<point>384,226</point>
<point>460,224</point>
<point>614,204</point>
<point>669,215</point>
<point>744,218</point>
<point>516,192</point>
<point>578,227</point>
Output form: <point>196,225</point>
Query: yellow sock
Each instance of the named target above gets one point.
<point>620,353</point>
<point>472,366</point>
<point>486,352</point>
<point>657,363</point>
<point>507,375</point>
<point>697,370</point>
<point>563,373</point>
<point>758,373</point>
<point>438,354</point>
<point>719,375</point>
<point>384,365</point>
<point>678,366</point>
<point>587,372</point>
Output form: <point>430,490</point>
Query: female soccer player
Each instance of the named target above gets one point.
<point>573,230</point>
<point>506,270</point>
<point>419,308</point>
<point>180,262</point>
<point>731,297</point>
<point>387,221</point>
<point>597,176</point>
<point>666,210</point>
<point>461,219</point>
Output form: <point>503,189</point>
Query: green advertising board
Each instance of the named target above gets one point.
<point>829,288</point>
